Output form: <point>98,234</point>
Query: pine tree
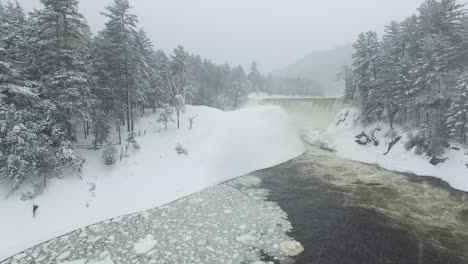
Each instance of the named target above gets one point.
<point>167,115</point>
<point>179,80</point>
<point>62,36</point>
<point>457,115</point>
<point>238,93</point>
<point>120,54</point>
<point>367,67</point>
<point>255,78</point>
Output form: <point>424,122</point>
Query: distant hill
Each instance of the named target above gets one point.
<point>321,67</point>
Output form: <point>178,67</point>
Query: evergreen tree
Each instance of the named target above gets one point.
<point>457,116</point>
<point>62,37</point>
<point>179,80</point>
<point>167,115</point>
<point>367,67</point>
<point>255,78</point>
<point>120,54</point>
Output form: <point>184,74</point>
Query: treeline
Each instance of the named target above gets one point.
<point>416,75</point>
<point>56,78</point>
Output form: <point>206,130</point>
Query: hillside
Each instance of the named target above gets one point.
<point>321,67</point>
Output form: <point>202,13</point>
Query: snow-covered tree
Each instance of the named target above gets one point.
<point>167,115</point>
<point>457,115</point>
<point>61,36</point>
<point>367,72</point>
<point>109,154</point>
<point>180,80</point>
<point>255,78</point>
<point>120,54</point>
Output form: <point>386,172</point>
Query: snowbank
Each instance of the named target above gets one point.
<point>341,137</point>
<point>221,146</point>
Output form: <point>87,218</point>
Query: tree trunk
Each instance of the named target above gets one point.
<point>178,119</point>
<point>419,117</point>
<point>127,84</point>
<point>118,130</point>
<point>84,130</point>
<point>132,111</point>
<point>45,180</point>
<point>406,115</point>
<point>463,135</point>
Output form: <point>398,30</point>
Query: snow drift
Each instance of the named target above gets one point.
<point>221,146</point>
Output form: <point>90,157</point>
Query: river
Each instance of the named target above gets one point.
<point>347,212</point>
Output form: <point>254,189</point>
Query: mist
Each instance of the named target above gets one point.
<point>274,33</point>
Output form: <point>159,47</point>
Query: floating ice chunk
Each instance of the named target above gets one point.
<point>247,239</point>
<point>64,255</point>
<point>92,240</point>
<point>249,181</point>
<point>19,256</point>
<point>196,201</point>
<point>291,248</point>
<point>144,245</point>
<point>106,261</point>
<point>78,261</point>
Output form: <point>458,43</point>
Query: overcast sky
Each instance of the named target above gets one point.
<point>272,32</point>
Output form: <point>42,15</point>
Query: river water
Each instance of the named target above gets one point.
<point>348,212</point>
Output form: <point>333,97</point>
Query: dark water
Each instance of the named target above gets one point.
<point>334,229</point>
<point>348,212</point>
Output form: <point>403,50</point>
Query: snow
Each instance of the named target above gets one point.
<point>221,146</point>
<point>341,138</point>
<point>186,232</point>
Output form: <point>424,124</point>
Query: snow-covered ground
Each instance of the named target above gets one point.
<point>227,223</point>
<point>221,146</point>
<point>341,137</point>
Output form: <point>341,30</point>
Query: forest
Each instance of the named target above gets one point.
<point>57,78</point>
<point>416,76</point>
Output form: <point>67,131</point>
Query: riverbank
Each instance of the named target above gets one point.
<point>378,144</point>
<point>220,146</point>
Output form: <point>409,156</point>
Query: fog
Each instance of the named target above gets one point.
<point>272,32</point>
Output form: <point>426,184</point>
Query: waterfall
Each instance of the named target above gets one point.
<point>309,113</point>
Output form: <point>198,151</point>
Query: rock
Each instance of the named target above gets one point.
<point>327,148</point>
<point>291,248</point>
<point>435,161</point>
<point>363,139</point>
<point>392,143</point>
<point>342,118</point>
